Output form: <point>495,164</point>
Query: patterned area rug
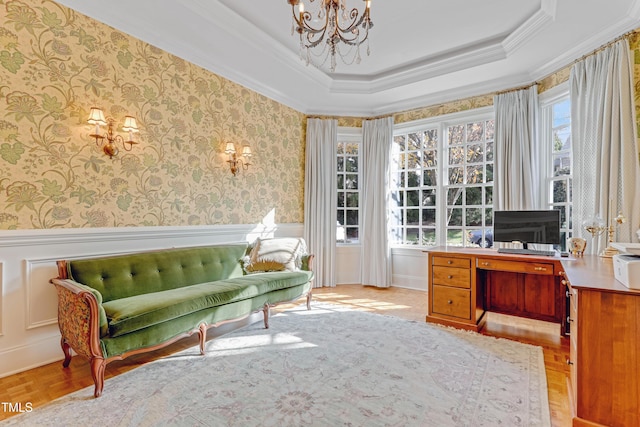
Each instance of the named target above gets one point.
<point>326,367</point>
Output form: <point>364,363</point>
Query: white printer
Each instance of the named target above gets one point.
<point>626,265</point>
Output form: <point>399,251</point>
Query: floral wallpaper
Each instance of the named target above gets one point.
<point>55,64</point>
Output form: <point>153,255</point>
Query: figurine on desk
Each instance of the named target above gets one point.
<point>577,245</point>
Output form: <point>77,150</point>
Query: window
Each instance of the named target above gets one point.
<point>442,181</point>
<point>470,183</point>
<point>414,184</point>
<point>348,158</point>
<point>556,135</point>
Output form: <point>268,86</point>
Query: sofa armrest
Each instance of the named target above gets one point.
<point>79,313</point>
<point>306,262</point>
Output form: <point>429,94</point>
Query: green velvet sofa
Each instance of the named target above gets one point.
<point>110,308</point>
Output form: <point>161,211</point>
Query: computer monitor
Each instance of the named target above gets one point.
<point>527,226</point>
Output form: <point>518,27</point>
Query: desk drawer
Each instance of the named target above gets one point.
<point>515,266</point>
<point>449,276</point>
<point>451,262</point>
<point>451,301</point>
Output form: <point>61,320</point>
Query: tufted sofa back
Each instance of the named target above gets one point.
<point>124,276</point>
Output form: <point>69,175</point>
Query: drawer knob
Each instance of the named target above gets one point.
<point>569,362</point>
<point>564,282</point>
<point>449,277</point>
<point>569,319</point>
<point>566,293</point>
<point>449,262</point>
<point>486,264</point>
<point>540,269</point>
<point>449,302</point>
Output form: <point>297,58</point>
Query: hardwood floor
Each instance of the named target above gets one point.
<point>46,383</point>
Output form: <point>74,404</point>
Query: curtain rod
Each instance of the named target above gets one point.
<point>515,89</point>
<point>604,46</point>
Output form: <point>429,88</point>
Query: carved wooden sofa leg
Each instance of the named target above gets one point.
<point>266,311</point>
<point>98,365</point>
<point>309,295</point>
<point>66,349</point>
<point>202,332</point>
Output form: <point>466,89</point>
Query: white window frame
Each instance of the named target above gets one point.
<point>441,123</point>
<point>547,100</point>
<point>351,135</point>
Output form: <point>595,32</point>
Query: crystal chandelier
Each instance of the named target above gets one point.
<point>333,22</point>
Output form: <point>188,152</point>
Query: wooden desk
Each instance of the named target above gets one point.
<point>465,283</point>
<point>604,384</point>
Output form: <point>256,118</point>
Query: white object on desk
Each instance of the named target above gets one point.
<point>627,248</point>
<point>626,269</point>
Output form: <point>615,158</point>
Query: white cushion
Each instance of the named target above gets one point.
<point>276,254</point>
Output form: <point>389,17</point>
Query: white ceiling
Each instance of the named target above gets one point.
<point>422,52</point>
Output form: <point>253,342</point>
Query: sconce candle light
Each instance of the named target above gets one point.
<point>96,117</point>
<point>234,162</point>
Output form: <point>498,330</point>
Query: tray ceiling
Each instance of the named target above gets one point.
<point>422,52</point>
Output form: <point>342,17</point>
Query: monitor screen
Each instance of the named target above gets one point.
<point>527,226</point>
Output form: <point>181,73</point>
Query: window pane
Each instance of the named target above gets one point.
<point>400,141</point>
<point>415,141</point>
<point>430,159</point>
<point>340,148</point>
<point>340,164</point>
<point>429,217</point>
<point>489,151</point>
<point>352,234</point>
<point>396,235</point>
<point>412,236</point>
<point>428,237</point>
<point>488,217</point>
<point>340,182</point>
<point>454,216</point>
<point>341,200</point>
<point>351,181</point>
<point>488,196</point>
<point>454,237</point>
<point>456,134</point>
<point>475,153</point>
<point>413,179</point>
<point>489,129</point>
<point>429,197</point>
<point>352,217</point>
<point>454,196</point>
<point>489,177</point>
<point>351,164</point>
<point>456,175</point>
<point>413,198</point>
<point>475,131</point>
<point>352,199</point>
<point>559,191</point>
<point>430,177</point>
<point>413,216</point>
<point>475,174</point>
<point>474,217</point>
<point>473,196</point>
<point>431,138</point>
<point>456,155</point>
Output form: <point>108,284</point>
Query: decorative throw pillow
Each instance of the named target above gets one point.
<point>277,254</point>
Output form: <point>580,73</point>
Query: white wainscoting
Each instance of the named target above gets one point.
<point>409,267</point>
<point>29,335</point>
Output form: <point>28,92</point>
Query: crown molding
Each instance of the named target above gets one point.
<point>532,26</point>
<point>631,22</point>
<point>427,68</point>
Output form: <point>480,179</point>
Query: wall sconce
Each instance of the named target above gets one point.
<point>234,162</point>
<point>96,117</point>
